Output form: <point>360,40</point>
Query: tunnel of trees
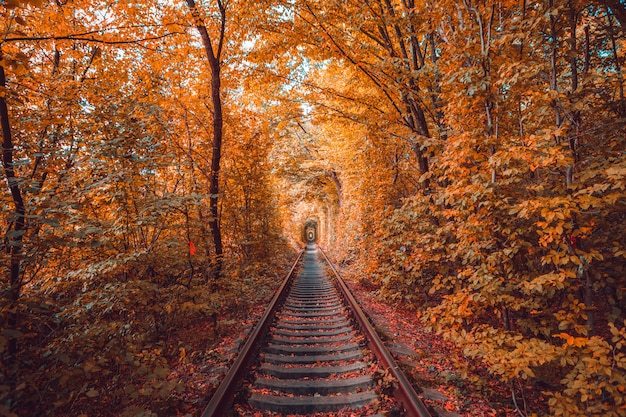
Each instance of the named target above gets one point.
<point>310,231</point>
<point>162,162</point>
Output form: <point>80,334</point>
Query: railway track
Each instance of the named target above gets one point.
<point>314,351</point>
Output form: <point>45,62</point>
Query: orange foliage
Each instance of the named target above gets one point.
<point>467,158</point>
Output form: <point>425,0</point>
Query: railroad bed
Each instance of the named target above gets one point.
<point>314,352</point>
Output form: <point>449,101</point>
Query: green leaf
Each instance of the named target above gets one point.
<point>52,222</point>
<point>15,233</point>
<point>12,333</point>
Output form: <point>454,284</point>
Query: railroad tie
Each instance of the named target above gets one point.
<point>314,359</point>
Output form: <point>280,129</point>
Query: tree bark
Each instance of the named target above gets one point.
<point>415,111</point>
<point>214,58</point>
<point>554,70</point>
<point>573,61</point>
<point>16,233</point>
<point>618,66</point>
<point>214,222</point>
<point>337,182</point>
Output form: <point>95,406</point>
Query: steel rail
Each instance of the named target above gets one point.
<point>405,393</point>
<point>226,391</point>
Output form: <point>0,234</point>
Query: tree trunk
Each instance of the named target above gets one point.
<point>337,182</point>
<point>589,298</point>
<point>618,66</point>
<point>16,233</point>
<point>216,84</point>
<point>214,221</point>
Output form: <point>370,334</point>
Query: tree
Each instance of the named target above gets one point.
<point>465,158</point>
<point>214,56</point>
<point>506,246</point>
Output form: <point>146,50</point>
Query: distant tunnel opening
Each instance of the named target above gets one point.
<point>310,231</point>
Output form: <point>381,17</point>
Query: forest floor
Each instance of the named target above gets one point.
<point>451,384</point>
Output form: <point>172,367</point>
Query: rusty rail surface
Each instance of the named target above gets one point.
<point>226,390</point>
<point>405,393</point>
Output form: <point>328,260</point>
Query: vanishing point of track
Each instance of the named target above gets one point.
<point>313,351</point>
